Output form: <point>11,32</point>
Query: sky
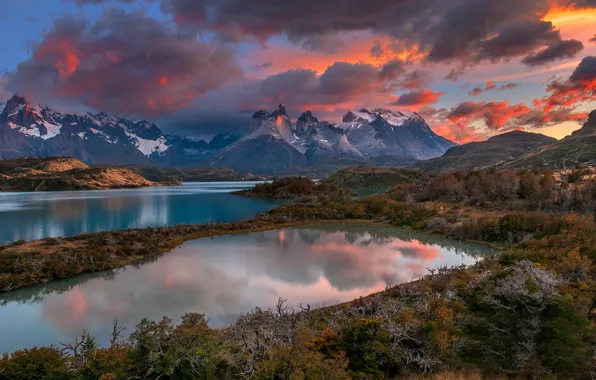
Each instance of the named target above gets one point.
<point>472,68</point>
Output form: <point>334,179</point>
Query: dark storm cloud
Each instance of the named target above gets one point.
<point>416,79</point>
<point>340,86</point>
<point>556,51</point>
<point>124,63</point>
<point>417,98</point>
<point>585,71</point>
<point>392,70</point>
<point>464,109</point>
<point>518,39</point>
<point>346,79</point>
<point>450,31</point>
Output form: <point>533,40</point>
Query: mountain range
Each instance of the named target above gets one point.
<point>35,130</point>
<point>274,144</point>
<point>271,143</point>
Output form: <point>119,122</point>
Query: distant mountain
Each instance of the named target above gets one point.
<point>271,145</point>
<point>395,133</point>
<point>578,148</point>
<point>364,137</point>
<point>479,155</point>
<point>34,130</point>
<point>65,173</point>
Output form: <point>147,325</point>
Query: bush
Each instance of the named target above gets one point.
<point>43,363</point>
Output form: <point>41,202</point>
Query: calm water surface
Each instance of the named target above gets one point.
<point>30,216</point>
<point>228,275</point>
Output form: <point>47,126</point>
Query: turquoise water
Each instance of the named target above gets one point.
<point>226,276</point>
<point>30,216</point>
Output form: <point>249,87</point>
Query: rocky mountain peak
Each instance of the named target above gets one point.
<point>260,114</point>
<point>592,117</point>
<point>15,104</point>
<point>281,111</point>
<point>308,117</point>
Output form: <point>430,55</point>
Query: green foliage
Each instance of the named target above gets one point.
<point>526,190</point>
<point>43,363</point>
<point>367,346</point>
<point>300,361</point>
<point>189,351</point>
<point>297,188</point>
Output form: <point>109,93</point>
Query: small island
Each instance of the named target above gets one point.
<point>67,173</point>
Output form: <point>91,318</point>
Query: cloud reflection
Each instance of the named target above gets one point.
<point>228,275</point>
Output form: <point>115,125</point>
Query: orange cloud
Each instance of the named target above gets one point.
<point>63,53</point>
<point>418,98</point>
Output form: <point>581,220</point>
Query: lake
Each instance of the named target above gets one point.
<point>31,216</point>
<point>225,276</point>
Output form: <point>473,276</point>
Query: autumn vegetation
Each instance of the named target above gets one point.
<point>527,313</point>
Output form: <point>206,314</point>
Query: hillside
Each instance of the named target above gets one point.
<point>578,148</point>
<point>61,174</point>
<point>372,176</point>
<point>479,155</point>
<point>202,174</point>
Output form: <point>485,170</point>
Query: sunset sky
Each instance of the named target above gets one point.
<point>472,68</point>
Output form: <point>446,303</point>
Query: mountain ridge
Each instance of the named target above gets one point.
<point>578,148</point>
<point>364,136</point>
<point>271,144</point>
<point>36,130</point>
<point>495,151</point>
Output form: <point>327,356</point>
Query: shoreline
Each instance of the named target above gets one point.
<point>49,246</point>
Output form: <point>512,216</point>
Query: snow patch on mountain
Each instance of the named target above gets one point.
<point>148,147</point>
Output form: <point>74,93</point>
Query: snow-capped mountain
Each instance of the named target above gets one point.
<point>273,144</point>
<point>396,133</point>
<point>37,130</point>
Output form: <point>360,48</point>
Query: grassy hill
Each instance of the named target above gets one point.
<point>65,173</point>
<point>480,155</point>
<point>578,148</point>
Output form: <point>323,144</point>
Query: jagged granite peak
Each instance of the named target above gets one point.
<point>281,111</point>
<point>362,115</point>
<point>308,117</point>
<point>305,122</point>
<point>261,114</point>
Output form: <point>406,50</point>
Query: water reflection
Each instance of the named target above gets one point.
<point>228,275</point>
<point>30,216</point>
